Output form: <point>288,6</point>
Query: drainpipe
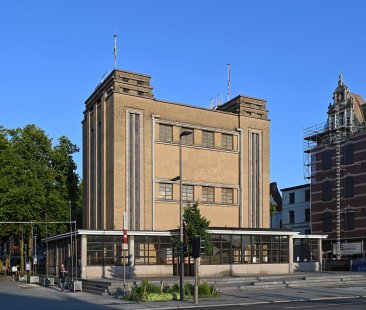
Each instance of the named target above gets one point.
<point>240,176</point>
<point>153,118</point>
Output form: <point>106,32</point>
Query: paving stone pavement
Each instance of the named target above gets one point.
<point>14,295</point>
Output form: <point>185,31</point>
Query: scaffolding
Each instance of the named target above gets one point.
<point>330,134</point>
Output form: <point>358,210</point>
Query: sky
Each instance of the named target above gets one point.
<point>290,53</point>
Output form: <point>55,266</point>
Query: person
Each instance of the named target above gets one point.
<point>4,269</point>
<point>62,272</point>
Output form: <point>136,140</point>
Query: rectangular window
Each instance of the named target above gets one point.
<point>348,154</point>
<point>291,197</point>
<point>349,218</point>
<point>349,187</point>
<point>207,194</point>
<point>327,191</point>
<point>187,139</point>
<point>291,217</point>
<point>227,141</point>
<point>187,193</point>
<point>227,195</point>
<point>327,160</point>
<point>165,133</point>
<point>126,91</point>
<point>140,93</point>
<point>208,139</point>
<point>327,222</point>
<point>153,250</point>
<point>166,191</point>
<point>307,195</point>
<point>307,215</point>
<point>140,83</point>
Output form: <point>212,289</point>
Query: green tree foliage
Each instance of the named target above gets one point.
<point>195,225</point>
<point>273,208</point>
<point>36,178</point>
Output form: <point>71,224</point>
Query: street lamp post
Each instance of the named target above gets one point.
<point>181,240</point>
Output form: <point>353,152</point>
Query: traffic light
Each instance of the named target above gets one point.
<point>124,236</point>
<point>196,247</point>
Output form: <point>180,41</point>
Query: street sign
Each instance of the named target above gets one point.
<point>27,266</point>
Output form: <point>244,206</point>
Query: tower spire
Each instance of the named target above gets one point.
<point>340,80</point>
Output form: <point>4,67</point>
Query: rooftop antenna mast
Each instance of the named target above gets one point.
<point>115,50</point>
<point>228,82</point>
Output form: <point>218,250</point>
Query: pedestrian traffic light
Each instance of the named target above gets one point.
<point>125,236</point>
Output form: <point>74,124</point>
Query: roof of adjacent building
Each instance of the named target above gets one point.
<point>295,187</point>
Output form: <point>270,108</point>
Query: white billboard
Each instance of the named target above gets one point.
<point>348,248</point>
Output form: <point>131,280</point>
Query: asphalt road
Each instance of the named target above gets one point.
<point>338,304</point>
<point>14,295</point>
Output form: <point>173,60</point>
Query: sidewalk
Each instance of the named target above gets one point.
<point>238,291</point>
<point>46,298</point>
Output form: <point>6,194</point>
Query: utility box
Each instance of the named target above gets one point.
<point>33,279</point>
<point>76,285</point>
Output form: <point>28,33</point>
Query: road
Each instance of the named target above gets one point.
<point>14,296</point>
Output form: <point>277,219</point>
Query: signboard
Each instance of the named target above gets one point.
<point>348,248</point>
<point>27,266</point>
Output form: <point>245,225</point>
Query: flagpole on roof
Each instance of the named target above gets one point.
<point>115,50</point>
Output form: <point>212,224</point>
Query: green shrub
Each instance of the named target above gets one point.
<point>204,289</point>
<point>148,291</point>
<point>159,297</point>
<point>188,289</point>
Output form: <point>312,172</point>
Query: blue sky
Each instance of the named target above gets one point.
<point>290,53</point>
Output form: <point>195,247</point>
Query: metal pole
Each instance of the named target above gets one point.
<point>71,252</point>
<point>181,279</point>
<point>196,280</point>
<point>46,247</point>
<point>124,268</point>
<point>35,255</point>
<point>76,252</point>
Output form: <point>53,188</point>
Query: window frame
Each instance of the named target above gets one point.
<point>206,196</point>
<point>187,190</point>
<point>165,133</point>
<point>208,139</point>
<point>291,197</point>
<point>165,196</point>
<point>349,187</point>
<point>225,197</point>
<point>291,217</point>
<point>327,191</point>
<point>225,144</point>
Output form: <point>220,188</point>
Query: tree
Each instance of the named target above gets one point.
<point>195,225</point>
<point>273,208</point>
<point>36,179</point>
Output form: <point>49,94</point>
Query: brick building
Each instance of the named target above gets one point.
<point>336,153</point>
<point>130,165</point>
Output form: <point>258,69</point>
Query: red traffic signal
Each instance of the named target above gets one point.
<point>125,236</point>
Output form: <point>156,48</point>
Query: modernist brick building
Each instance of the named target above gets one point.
<point>131,154</point>
<point>130,158</point>
<point>337,157</point>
